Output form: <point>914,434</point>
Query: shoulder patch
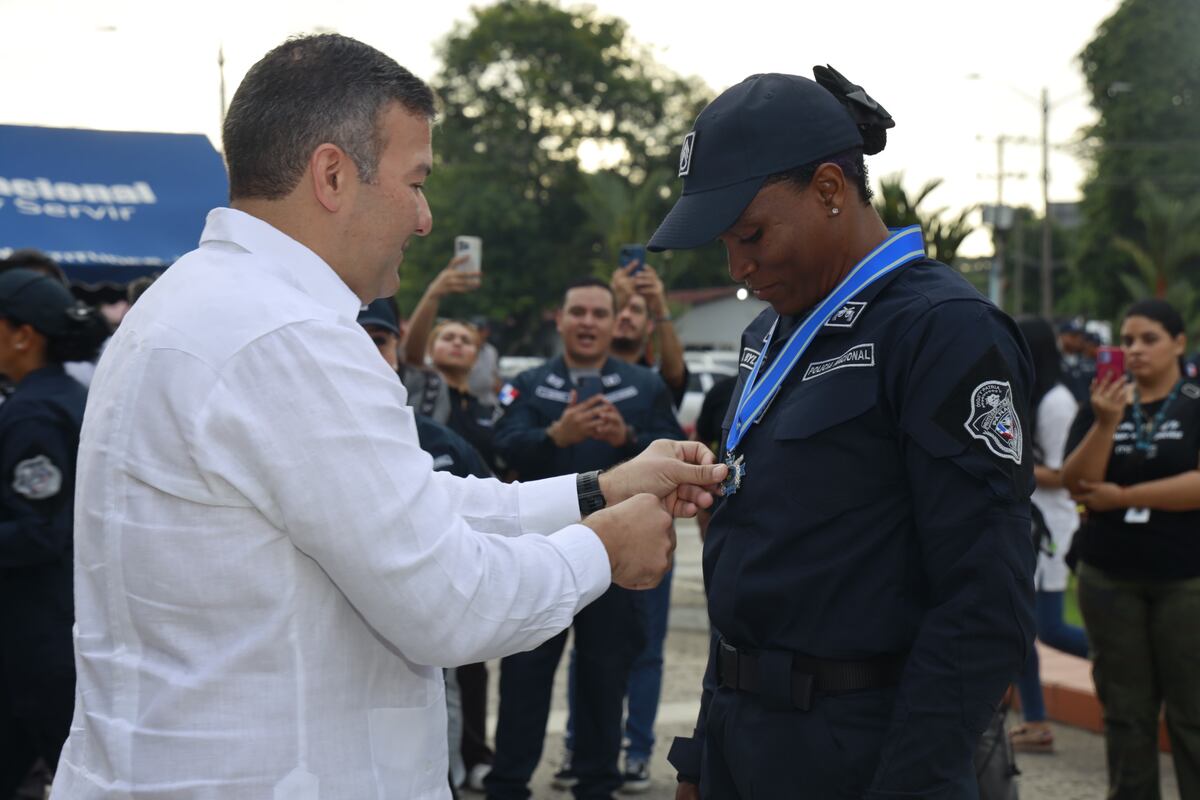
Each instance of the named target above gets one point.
<point>508,393</point>
<point>993,420</point>
<point>557,381</point>
<point>37,478</point>
<point>1190,390</point>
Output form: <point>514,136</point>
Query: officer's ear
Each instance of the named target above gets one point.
<point>829,183</point>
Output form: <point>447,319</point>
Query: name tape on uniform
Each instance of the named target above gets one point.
<point>862,355</point>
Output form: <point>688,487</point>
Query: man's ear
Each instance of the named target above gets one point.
<point>831,188</point>
<point>333,176</point>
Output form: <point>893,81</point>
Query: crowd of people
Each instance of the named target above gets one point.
<point>278,541</point>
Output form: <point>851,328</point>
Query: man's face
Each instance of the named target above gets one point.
<point>388,344</point>
<point>386,214</point>
<point>585,323</point>
<point>782,248</point>
<point>1071,342</point>
<point>633,323</point>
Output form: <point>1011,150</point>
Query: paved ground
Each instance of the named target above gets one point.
<point>1075,772</point>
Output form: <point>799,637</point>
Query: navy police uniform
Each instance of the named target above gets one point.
<point>39,437</point>
<point>870,583</point>
<point>608,632</point>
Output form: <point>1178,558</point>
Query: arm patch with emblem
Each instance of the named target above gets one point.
<point>37,478</point>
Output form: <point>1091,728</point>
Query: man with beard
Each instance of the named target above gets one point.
<point>642,301</point>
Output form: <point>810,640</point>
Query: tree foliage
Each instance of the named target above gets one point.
<point>1143,72</point>
<point>528,89</point>
<point>943,235</point>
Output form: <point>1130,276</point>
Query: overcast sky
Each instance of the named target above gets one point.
<point>142,65</point>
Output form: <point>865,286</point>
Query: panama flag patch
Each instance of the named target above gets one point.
<point>508,393</point>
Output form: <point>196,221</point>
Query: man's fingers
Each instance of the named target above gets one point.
<point>695,495</point>
<point>695,453</point>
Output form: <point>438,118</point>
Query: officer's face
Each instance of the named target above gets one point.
<point>782,248</point>
<point>1150,351</point>
<point>585,323</point>
<point>388,344</point>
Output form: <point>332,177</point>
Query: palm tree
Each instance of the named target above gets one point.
<point>1172,238</point>
<point>942,236</point>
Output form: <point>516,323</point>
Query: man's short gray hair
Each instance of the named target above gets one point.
<point>308,91</point>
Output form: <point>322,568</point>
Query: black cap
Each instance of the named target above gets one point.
<point>380,314</point>
<point>1071,326</point>
<point>764,125</point>
<point>34,298</point>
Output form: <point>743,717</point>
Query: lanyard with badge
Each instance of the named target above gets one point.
<point>1144,445</point>
<point>904,246</point>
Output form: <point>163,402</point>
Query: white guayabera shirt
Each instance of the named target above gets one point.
<point>269,576</point>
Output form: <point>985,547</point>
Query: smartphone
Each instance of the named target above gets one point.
<point>1109,361</point>
<point>472,247</point>
<point>588,386</point>
<point>631,253</point>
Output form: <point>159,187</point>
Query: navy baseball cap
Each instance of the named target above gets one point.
<point>1071,326</point>
<point>764,125</point>
<point>380,314</point>
<point>34,298</point>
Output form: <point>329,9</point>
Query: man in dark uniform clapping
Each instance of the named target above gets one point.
<point>869,569</point>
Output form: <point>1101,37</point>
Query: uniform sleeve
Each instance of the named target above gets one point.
<point>37,465</point>
<point>962,403</point>
<point>520,433</point>
<point>329,454</point>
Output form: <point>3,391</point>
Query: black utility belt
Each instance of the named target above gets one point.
<point>793,679</point>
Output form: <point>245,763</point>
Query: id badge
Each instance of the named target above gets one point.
<point>1137,516</point>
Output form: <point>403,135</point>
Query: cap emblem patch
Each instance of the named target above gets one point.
<point>685,154</point>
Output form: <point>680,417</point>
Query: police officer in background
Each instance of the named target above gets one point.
<point>583,410</point>
<point>41,326</point>
<point>869,569</point>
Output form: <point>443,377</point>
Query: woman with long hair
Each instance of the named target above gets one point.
<point>1137,469</point>
<point>41,327</point>
<point>1055,522</point>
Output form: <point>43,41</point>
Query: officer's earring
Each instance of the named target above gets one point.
<point>833,212</point>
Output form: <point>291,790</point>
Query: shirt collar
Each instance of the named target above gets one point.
<point>293,261</point>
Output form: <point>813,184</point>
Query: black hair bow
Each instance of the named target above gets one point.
<point>864,108</point>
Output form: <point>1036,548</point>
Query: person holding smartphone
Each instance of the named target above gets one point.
<point>1134,463</point>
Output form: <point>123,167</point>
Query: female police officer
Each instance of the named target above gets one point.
<point>41,326</point>
<point>869,569</point>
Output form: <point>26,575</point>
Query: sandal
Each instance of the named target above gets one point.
<point>1029,738</point>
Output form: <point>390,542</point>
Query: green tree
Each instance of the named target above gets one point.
<point>528,88</point>
<point>943,235</point>
<point>1143,72</point>
<point>1171,238</point>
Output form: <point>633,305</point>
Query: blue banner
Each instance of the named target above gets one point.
<point>107,206</point>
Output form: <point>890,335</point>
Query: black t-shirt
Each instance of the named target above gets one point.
<point>1167,545</point>
<point>712,412</point>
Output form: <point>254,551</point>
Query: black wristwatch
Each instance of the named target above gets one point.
<point>587,486</point>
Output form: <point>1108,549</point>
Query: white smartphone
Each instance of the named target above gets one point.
<point>472,247</point>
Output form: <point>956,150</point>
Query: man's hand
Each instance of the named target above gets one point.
<point>625,284</point>
<point>687,791</point>
<point>609,426</point>
<point>578,422</point>
<point>683,475</point>
<point>1101,496</point>
<point>452,280</point>
<point>640,539</point>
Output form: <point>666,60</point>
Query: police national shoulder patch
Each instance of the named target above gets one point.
<point>993,419</point>
<point>37,478</point>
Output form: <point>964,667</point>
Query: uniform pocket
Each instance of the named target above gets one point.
<point>826,403</point>
<point>409,748</point>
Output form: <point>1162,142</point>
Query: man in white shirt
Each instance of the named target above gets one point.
<point>269,575</point>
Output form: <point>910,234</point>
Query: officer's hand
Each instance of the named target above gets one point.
<point>452,280</point>
<point>577,422</point>
<point>687,791</point>
<point>1101,496</point>
<point>609,426</point>
<point>682,474</point>
<point>640,539</point>
<point>1109,398</point>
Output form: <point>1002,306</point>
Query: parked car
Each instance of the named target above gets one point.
<point>704,369</point>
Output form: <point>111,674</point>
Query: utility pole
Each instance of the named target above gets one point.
<point>1047,232</point>
<point>1001,220</point>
